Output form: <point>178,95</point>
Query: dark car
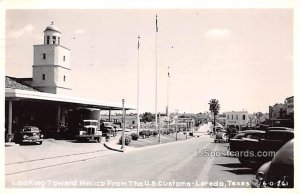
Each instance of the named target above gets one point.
<point>278,173</point>
<point>236,142</point>
<point>108,129</point>
<point>221,136</point>
<point>255,150</point>
<point>29,134</point>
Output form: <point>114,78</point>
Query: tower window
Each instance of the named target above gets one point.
<point>48,39</point>
<point>64,58</point>
<point>58,40</point>
<point>54,39</point>
<point>44,77</point>
<point>64,78</point>
<point>44,55</point>
<point>237,117</point>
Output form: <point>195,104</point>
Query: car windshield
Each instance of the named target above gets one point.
<point>89,122</point>
<point>108,125</point>
<point>30,129</point>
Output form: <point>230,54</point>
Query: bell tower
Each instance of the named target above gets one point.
<point>51,70</point>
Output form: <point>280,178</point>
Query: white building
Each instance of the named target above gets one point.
<point>45,100</point>
<point>51,70</point>
<point>237,118</point>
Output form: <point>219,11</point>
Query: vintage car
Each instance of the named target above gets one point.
<point>108,130</point>
<point>29,134</point>
<point>278,173</point>
<point>258,149</point>
<point>236,142</point>
<point>221,136</point>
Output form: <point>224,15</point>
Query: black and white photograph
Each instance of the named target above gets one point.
<point>149,98</point>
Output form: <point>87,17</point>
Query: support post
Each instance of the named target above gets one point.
<point>109,115</point>
<point>9,130</point>
<point>58,117</point>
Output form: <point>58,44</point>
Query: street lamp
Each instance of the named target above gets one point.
<point>123,131</point>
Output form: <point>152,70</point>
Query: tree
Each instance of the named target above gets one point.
<point>148,117</point>
<point>214,108</point>
<point>258,116</point>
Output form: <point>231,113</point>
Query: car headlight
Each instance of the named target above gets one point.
<point>42,136</point>
<point>25,136</point>
<point>260,176</point>
<point>82,132</point>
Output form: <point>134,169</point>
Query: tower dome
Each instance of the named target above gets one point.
<point>52,28</point>
<point>52,35</point>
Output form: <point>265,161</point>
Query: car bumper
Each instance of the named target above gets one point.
<point>31,140</point>
<point>255,183</point>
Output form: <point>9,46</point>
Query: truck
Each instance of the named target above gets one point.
<point>89,131</point>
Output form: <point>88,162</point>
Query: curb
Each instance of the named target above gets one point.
<point>11,144</point>
<point>114,149</point>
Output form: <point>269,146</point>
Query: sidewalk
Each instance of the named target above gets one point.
<point>49,149</point>
<point>113,144</point>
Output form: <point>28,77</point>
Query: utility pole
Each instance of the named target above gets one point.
<point>123,131</point>
<point>176,123</point>
<point>156,74</point>
<point>159,139</point>
<point>168,118</point>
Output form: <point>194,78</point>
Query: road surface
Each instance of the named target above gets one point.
<point>183,164</point>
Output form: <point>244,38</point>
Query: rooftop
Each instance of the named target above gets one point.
<point>17,83</point>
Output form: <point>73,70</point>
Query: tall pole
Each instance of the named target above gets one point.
<point>156,75</point>
<point>176,123</point>
<point>159,139</point>
<point>168,118</point>
<point>138,89</point>
<point>123,131</point>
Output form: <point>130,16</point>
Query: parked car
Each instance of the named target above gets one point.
<point>236,142</point>
<point>221,136</point>
<point>108,129</point>
<point>257,149</point>
<point>278,173</point>
<point>29,134</point>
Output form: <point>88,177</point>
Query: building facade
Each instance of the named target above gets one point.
<point>51,70</point>
<point>237,118</point>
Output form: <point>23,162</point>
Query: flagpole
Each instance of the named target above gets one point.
<point>168,118</point>
<point>138,88</point>
<point>156,128</point>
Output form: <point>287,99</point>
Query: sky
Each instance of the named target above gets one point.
<point>242,57</point>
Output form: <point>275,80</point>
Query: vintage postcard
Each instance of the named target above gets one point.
<point>166,97</point>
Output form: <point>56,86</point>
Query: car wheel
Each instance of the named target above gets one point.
<point>244,161</point>
<point>98,140</point>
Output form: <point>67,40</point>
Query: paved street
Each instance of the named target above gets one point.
<point>177,164</point>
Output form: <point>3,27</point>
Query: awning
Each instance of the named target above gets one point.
<point>17,95</point>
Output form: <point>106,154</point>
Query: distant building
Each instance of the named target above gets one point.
<point>237,119</point>
<point>289,102</point>
<point>282,114</point>
<point>131,120</point>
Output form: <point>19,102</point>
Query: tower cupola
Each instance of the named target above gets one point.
<point>52,34</point>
